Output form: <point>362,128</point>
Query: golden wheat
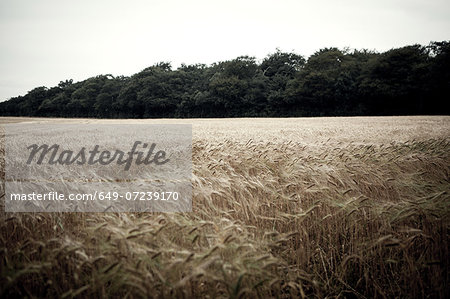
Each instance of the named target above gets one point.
<point>337,207</point>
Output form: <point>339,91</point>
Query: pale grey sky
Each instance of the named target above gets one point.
<point>46,41</point>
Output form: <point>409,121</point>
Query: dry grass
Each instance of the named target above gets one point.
<point>337,207</point>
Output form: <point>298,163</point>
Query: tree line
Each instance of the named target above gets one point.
<point>409,80</point>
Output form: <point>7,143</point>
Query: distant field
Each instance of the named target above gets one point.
<point>294,207</point>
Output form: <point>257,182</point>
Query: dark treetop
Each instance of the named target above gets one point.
<point>409,80</point>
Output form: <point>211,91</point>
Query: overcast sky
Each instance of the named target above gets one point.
<point>46,41</point>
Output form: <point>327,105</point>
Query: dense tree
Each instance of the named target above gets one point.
<point>409,80</point>
<point>397,81</point>
<point>439,76</point>
<point>322,87</point>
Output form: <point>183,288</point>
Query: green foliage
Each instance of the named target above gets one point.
<point>409,80</point>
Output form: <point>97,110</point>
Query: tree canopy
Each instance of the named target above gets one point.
<point>409,80</point>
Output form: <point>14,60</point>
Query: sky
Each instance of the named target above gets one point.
<point>44,42</point>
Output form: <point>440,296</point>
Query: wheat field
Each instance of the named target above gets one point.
<point>304,207</point>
